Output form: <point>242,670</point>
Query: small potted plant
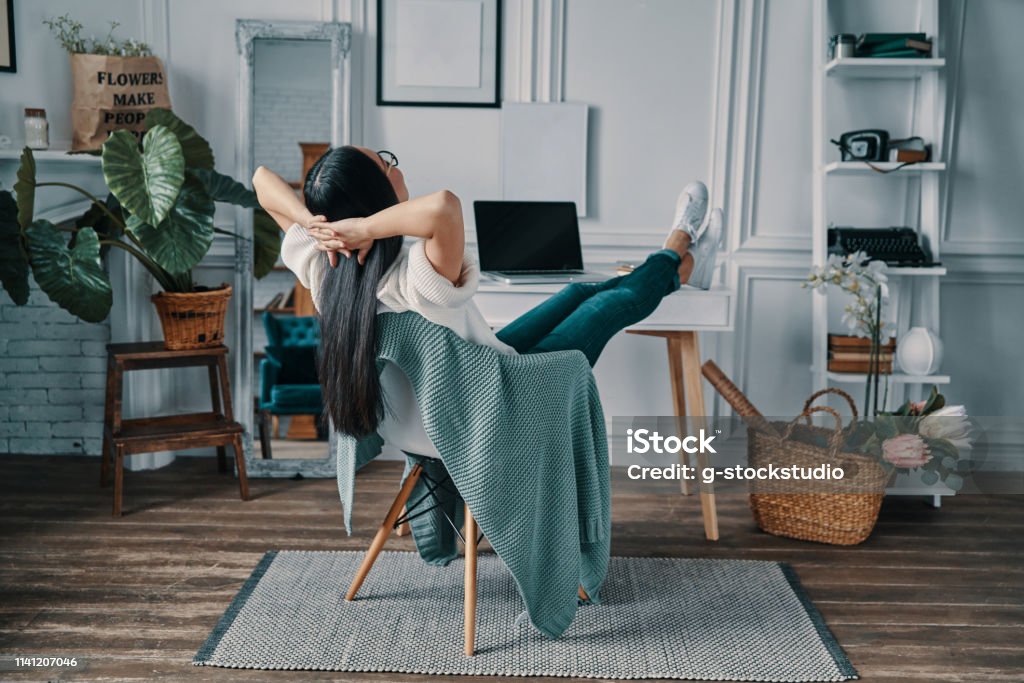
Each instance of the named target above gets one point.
<point>866,281</point>
<point>160,210</point>
<point>115,82</point>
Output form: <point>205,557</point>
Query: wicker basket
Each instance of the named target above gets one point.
<point>846,517</point>
<point>193,320</point>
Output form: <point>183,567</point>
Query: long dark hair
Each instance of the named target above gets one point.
<point>346,183</point>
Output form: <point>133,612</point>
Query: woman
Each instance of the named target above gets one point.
<point>357,204</point>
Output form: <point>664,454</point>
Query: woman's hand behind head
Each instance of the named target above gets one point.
<point>345,236</point>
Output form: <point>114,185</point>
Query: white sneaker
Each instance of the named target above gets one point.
<point>704,251</point>
<point>691,208</point>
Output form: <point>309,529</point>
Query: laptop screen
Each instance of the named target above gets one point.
<point>527,235</point>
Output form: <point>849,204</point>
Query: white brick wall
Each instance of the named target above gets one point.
<point>52,378</point>
<point>284,117</point>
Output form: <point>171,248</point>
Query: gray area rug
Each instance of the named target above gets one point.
<point>721,620</point>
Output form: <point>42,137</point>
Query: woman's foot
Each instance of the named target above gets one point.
<point>691,209</point>
<point>705,251</point>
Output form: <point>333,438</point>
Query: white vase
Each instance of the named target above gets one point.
<point>919,351</point>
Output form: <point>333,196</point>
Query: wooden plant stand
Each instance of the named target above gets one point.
<point>123,437</point>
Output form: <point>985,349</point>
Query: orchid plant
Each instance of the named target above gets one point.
<point>866,281</point>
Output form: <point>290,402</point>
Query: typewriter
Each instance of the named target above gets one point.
<point>895,246</point>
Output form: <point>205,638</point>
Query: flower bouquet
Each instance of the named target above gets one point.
<point>926,435</point>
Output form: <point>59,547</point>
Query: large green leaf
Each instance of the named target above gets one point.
<point>100,221</point>
<point>25,188</point>
<point>182,239</point>
<point>13,259</point>
<point>266,243</point>
<point>73,278</point>
<point>224,188</point>
<point>198,153</point>
<point>147,183</point>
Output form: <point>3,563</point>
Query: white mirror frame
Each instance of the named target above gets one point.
<point>247,31</point>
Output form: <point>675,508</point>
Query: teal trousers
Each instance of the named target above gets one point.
<point>585,315</point>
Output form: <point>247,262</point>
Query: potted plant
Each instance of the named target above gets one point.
<point>866,281</point>
<point>160,210</point>
<point>115,82</point>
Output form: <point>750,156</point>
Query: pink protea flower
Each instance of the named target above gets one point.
<point>906,450</point>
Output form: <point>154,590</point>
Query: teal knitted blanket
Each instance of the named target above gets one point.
<point>523,439</point>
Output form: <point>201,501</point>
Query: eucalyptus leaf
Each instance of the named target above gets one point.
<point>181,240</point>
<point>929,477</point>
<point>147,183</point>
<point>73,278</point>
<point>25,188</point>
<point>954,481</point>
<point>885,427</point>
<point>225,188</point>
<point>197,151</point>
<point>13,259</point>
<point>267,243</point>
<point>948,462</point>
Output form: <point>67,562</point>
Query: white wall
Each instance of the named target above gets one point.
<point>647,68</point>
<point>44,76</point>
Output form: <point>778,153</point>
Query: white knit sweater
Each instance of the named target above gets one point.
<point>410,284</point>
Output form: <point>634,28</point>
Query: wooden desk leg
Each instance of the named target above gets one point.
<point>675,370</point>
<point>692,379</point>
<point>222,456</point>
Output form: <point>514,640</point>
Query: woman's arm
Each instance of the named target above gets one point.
<point>279,200</point>
<point>436,218</point>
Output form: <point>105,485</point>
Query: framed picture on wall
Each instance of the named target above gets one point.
<point>7,56</point>
<point>439,53</point>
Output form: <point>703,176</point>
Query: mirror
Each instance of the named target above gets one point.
<point>293,106</point>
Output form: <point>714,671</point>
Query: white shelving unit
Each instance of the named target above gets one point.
<point>914,291</point>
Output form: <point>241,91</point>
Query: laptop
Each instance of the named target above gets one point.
<point>530,242</point>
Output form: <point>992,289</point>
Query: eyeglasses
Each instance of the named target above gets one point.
<point>389,159</point>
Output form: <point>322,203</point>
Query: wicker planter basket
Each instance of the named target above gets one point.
<point>845,517</point>
<point>193,320</point>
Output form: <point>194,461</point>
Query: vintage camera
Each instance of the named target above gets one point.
<point>863,145</point>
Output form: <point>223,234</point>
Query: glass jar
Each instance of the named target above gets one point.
<point>842,46</point>
<point>37,130</point>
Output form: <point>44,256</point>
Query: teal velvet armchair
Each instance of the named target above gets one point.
<point>288,375</point>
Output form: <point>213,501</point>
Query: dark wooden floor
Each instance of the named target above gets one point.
<point>933,595</point>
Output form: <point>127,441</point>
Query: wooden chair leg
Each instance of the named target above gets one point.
<point>243,479</point>
<point>105,458</point>
<point>222,459</point>
<point>118,478</point>
<point>385,530</point>
<point>264,420</point>
<point>470,587</point>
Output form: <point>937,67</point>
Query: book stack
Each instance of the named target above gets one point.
<point>893,45</point>
<point>853,354</point>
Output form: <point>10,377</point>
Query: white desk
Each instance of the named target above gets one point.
<point>678,319</point>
